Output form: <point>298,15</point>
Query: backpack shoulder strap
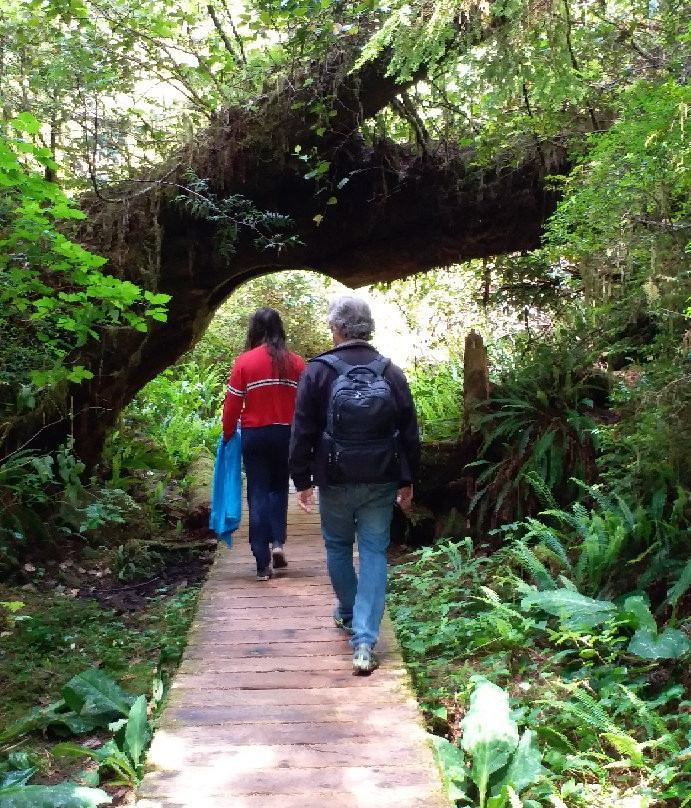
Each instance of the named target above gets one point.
<point>334,362</point>
<point>379,365</point>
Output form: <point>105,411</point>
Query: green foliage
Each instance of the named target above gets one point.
<point>597,715</point>
<point>42,494</point>
<point>63,795</point>
<point>592,547</point>
<point>300,297</point>
<point>59,637</point>
<point>537,431</point>
<point>235,215</point>
<point>420,35</point>
<point>575,610</point>
<point>123,754</point>
<point>500,759</point>
<point>53,293</point>
<point>636,176</point>
<point>176,414</point>
<point>644,453</point>
<point>135,561</point>
<point>438,392</point>
<point>670,644</point>
<point>91,699</point>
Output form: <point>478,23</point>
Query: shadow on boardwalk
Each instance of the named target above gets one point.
<point>264,711</point>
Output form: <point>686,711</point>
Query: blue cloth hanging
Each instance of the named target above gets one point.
<point>226,489</point>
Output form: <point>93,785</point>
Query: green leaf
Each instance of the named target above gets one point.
<point>490,735</point>
<point>16,777</point>
<point>671,644</point>
<point>637,606</point>
<point>525,768</point>
<point>156,298</point>
<point>626,746</point>
<point>572,608</point>
<point>681,586</point>
<point>25,122</point>
<point>94,694</point>
<point>63,795</point>
<point>137,731</point>
<point>73,750</point>
<point>77,724</point>
<point>39,717</point>
<point>77,374</point>
<point>451,762</point>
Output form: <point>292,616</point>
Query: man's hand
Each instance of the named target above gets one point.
<point>404,498</point>
<point>306,500</point>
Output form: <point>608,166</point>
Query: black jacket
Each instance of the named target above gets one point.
<point>309,422</point>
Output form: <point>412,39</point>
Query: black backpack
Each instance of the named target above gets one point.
<point>361,441</point>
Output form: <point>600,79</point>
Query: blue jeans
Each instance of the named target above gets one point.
<point>265,455</point>
<point>364,509</point>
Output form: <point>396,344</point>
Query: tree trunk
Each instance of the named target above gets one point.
<point>475,379</point>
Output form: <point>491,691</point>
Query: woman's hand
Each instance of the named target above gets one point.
<point>306,500</point>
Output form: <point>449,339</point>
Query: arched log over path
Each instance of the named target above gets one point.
<point>399,212</point>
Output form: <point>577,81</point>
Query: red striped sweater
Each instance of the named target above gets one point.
<point>256,395</point>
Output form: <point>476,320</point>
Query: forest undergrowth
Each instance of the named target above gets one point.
<point>550,645</point>
<point>547,624</point>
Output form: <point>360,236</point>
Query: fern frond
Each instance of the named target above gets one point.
<point>651,721</point>
<point>598,717</point>
<point>541,489</point>
<point>602,500</point>
<point>532,565</point>
<point>552,543</point>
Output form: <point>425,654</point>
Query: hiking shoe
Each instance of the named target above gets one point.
<point>265,574</point>
<point>278,557</point>
<point>342,623</point>
<point>364,660</point>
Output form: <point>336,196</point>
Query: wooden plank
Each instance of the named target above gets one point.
<point>264,711</point>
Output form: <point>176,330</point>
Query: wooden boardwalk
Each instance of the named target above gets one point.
<point>265,712</point>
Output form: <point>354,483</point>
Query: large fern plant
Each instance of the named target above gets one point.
<point>605,549</point>
<point>538,427</point>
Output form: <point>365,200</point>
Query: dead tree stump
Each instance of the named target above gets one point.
<point>475,379</point>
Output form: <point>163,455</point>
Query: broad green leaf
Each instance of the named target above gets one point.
<point>78,724</point>
<point>153,297</point>
<point>671,644</point>
<point>451,762</point>
<point>572,608</point>
<point>39,717</point>
<point>637,606</point>
<point>63,795</point>
<point>12,605</point>
<point>137,730</point>
<point>525,767</point>
<point>94,694</point>
<point>16,777</point>
<point>490,735</point>
<point>73,750</point>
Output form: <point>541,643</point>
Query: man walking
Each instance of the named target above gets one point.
<point>355,436</point>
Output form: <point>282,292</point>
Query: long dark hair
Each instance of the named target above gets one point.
<point>265,327</point>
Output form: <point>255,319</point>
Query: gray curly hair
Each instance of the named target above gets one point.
<point>350,317</point>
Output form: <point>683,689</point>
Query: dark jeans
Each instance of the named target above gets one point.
<point>265,454</point>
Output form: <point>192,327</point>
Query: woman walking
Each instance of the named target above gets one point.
<point>261,393</point>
